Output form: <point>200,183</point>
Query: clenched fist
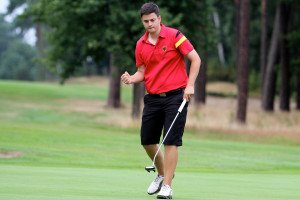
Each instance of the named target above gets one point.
<point>126,78</point>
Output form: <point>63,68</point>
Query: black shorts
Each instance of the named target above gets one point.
<point>158,114</point>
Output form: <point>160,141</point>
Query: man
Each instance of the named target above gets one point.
<point>160,64</point>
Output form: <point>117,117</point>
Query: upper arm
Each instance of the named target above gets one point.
<point>182,44</point>
<point>138,58</point>
<point>193,56</point>
<point>141,69</point>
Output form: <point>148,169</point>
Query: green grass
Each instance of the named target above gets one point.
<point>73,155</point>
<point>35,183</point>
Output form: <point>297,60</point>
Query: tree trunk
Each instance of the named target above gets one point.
<point>298,83</point>
<point>114,85</point>
<point>243,61</point>
<point>263,43</point>
<point>200,84</point>
<point>298,91</point>
<point>138,94</point>
<point>220,46</point>
<point>284,58</point>
<point>270,76</point>
<point>237,27</point>
<point>41,44</point>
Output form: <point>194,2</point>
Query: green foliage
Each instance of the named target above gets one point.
<point>215,72</point>
<point>254,81</point>
<point>226,33</point>
<point>22,24</point>
<point>16,57</point>
<point>194,20</point>
<point>98,28</point>
<point>75,31</point>
<point>14,4</point>
<point>5,34</point>
<point>17,62</point>
<point>81,29</point>
<point>84,29</point>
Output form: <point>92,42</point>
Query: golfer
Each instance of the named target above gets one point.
<point>160,64</point>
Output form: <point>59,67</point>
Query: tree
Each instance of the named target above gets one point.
<point>263,42</point>
<point>139,92</point>
<point>293,39</point>
<point>243,60</point>
<point>114,93</point>
<point>123,23</point>
<point>5,34</point>
<point>270,76</point>
<point>298,89</point>
<point>17,62</point>
<point>193,19</point>
<point>285,10</point>
<point>24,24</point>
<point>16,57</point>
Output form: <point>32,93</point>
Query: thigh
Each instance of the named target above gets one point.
<point>176,132</point>
<point>152,120</point>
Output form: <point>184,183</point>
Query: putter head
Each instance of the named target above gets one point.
<point>150,168</point>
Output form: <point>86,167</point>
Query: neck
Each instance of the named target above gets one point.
<point>155,34</point>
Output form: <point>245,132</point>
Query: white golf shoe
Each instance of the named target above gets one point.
<point>155,185</point>
<point>165,192</point>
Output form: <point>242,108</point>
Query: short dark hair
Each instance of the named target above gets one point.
<point>149,8</point>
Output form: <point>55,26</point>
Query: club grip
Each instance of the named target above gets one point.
<point>182,105</point>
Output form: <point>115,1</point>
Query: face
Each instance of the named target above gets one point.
<point>151,22</point>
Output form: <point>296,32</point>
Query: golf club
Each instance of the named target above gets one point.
<point>152,167</point>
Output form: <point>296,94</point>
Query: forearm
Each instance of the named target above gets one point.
<point>137,77</point>
<point>194,69</point>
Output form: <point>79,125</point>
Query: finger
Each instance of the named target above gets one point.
<point>186,97</point>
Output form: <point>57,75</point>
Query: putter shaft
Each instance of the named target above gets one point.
<point>179,111</point>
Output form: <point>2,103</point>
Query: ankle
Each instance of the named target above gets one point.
<point>167,185</point>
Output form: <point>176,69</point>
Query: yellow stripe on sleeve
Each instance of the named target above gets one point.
<point>180,41</point>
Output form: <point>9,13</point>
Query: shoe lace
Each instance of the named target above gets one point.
<point>157,179</point>
<point>165,188</point>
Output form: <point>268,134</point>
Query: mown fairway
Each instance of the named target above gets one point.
<point>66,149</point>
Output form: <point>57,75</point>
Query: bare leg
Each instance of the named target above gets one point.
<point>159,160</point>
<point>170,163</point>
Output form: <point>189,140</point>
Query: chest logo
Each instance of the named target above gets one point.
<point>164,48</point>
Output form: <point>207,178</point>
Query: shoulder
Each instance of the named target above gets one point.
<point>171,31</point>
<point>139,42</point>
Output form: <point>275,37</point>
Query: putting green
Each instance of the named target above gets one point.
<point>49,183</point>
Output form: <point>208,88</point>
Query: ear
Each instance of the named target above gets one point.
<point>159,18</point>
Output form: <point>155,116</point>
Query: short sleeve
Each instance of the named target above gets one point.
<point>138,59</point>
<point>183,44</point>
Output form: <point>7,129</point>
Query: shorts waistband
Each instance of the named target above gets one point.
<point>169,93</point>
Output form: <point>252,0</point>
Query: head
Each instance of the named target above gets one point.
<point>150,17</point>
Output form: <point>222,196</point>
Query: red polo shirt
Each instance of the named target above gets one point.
<point>164,62</point>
